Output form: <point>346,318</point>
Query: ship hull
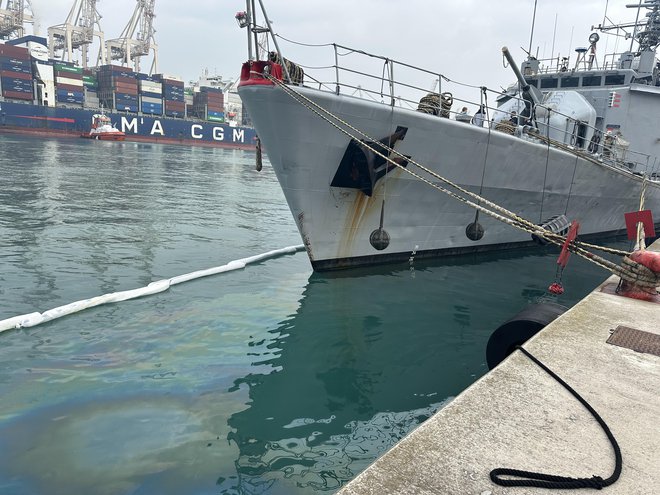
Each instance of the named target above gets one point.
<point>338,224</point>
<point>25,118</point>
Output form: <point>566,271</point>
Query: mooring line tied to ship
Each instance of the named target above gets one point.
<point>631,270</point>
<point>33,319</point>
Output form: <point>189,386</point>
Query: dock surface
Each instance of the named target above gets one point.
<point>517,416</point>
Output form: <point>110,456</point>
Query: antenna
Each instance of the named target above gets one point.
<point>554,36</point>
<point>531,36</point>
<point>632,38</point>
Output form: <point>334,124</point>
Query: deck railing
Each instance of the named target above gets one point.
<point>357,73</point>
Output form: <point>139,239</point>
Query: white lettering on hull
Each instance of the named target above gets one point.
<point>157,128</point>
<point>238,135</point>
<point>194,131</point>
<point>128,126</point>
<point>218,134</point>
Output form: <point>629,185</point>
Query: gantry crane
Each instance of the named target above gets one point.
<point>14,14</point>
<point>137,38</point>
<point>78,32</point>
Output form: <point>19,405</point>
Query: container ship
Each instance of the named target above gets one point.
<point>40,95</point>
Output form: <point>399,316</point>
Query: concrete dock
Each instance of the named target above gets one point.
<point>517,416</point>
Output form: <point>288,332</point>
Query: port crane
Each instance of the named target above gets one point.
<point>137,38</point>
<point>77,32</point>
<point>14,14</point>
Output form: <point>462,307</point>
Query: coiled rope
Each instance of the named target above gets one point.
<point>498,212</point>
<point>541,480</point>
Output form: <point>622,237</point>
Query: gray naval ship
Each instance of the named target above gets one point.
<point>371,177</point>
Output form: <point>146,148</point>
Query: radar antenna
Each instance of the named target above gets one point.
<point>14,14</point>
<point>77,33</point>
<point>137,38</point>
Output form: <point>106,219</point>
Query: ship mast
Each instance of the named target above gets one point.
<point>78,32</point>
<point>14,14</point>
<point>646,31</point>
<point>137,38</point>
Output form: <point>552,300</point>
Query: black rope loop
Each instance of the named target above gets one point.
<point>552,482</point>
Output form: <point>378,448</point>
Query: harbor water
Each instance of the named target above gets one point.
<point>267,380</point>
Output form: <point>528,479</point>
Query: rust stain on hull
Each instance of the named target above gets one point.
<point>362,206</point>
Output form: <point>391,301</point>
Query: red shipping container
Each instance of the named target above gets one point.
<point>68,75</point>
<point>172,82</point>
<point>125,80</point>
<point>69,87</point>
<point>14,52</point>
<point>16,75</point>
<point>123,88</point>
<point>175,105</point>
<point>17,96</point>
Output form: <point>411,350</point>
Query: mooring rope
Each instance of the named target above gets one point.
<point>36,318</point>
<point>504,215</point>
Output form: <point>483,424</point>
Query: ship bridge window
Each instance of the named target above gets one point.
<point>591,81</point>
<point>549,83</point>
<point>570,82</point>
<point>614,79</point>
<point>533,82</point>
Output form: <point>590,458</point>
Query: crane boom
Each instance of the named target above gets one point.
<point>14,14</point>
<point>137,39</point>
<point>77,33</point>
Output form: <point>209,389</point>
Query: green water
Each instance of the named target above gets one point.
<point>267,380</point>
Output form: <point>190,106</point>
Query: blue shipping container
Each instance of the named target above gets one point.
<point>70,99</point>
<point>74,94</point>
<point>149,109</point>
<point>157,111</point>
<point>15,61</point>
<point>126,97</point>
<point>16,84</point>
<point>16,80</point>
<point>126,106</point>
<point>21,69</point>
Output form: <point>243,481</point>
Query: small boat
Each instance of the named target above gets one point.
<point>104,129</point>
<point>401,174</point>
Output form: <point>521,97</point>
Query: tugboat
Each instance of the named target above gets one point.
<point>103,129</point>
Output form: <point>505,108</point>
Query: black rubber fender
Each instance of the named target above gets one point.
<point>519,329</point>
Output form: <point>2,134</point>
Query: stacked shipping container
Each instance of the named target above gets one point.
<point>68,84</point>
<point>16,73</point>
<point>151,94</point>
<point>91,88</point>
<point>209,104</point>
<point>118,88</point>
<point>173,93</point>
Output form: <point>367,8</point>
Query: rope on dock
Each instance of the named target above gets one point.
<point>33,319</point>
<point>550,481</point>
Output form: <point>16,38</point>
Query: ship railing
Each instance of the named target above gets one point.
<point>357,73</point>
<point>610,61</point>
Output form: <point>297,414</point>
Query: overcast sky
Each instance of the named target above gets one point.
<point>461,38</point>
